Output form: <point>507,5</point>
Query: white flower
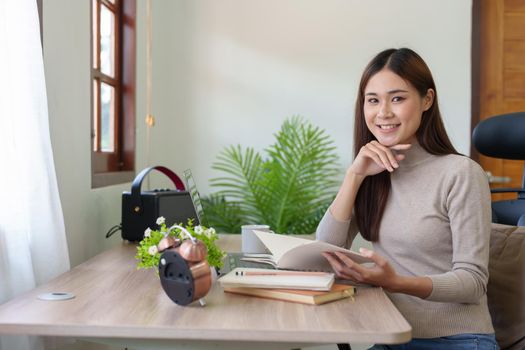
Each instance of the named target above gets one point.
<point>199,230</point>
<point>161,220</point>
<point>147,233</point>
<point>153,250</point>
<point>209,232</point>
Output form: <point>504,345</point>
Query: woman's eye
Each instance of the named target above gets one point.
<point>372,100</point>
<point>397,99</point>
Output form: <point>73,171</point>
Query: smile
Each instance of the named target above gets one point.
<point>388,126</point>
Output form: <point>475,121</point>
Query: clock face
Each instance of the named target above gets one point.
<point>176,278</point>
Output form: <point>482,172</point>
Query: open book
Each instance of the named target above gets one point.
<point>294,253</point>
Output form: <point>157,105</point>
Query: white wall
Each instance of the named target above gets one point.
<point>230,71</point>
<point>233,70</point>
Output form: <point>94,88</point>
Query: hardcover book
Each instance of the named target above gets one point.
<point>337,292</point>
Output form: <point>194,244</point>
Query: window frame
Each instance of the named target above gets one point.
<point>110,168</point>
<point>39,6</point>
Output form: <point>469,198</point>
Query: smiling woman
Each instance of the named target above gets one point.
<point>415,115</point>
<point>425,208</point>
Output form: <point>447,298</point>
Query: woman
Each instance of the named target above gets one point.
<point>425,208</point>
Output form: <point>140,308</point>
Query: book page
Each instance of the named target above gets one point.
<point>267,261</point>
<point>309,257</point>
<point>296,253</point>
<point>279,244</point>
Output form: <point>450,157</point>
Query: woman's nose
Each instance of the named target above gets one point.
<point>384,111</point>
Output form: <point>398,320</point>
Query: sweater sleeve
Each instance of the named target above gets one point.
<point>333,231</point>
<point>467,196</point>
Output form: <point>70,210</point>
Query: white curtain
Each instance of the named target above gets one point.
<point>33,247</point>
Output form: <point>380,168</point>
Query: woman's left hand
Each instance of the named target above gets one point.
<point>381,274</point>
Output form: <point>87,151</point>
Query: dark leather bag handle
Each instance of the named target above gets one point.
<point>137,183</point>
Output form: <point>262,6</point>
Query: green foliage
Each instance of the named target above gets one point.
<point>225,215</point>
<point>147,260</point>
<point>289,190</point>
<point>149,256</point>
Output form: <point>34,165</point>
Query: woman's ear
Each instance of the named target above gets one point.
<point>428,100</point>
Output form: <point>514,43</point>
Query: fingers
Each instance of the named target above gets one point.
<point>340,269</point>
<point>385,157</point>
<point>401,147</point>
<point>399,156</point>
<point>369,153</point>
<point>380,274</point>
<point>378,259</point>
<point>385,154</point>
<point>382,155</point>
<point>355,267</point>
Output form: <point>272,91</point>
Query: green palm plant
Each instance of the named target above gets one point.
<point>289,190</point>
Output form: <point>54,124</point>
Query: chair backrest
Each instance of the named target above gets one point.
<point>503,136</point>
<point>506,287</point>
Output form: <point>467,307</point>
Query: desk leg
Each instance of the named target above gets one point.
<point>344,347</point>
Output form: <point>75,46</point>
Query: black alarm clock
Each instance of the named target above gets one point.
<point>184,273</point>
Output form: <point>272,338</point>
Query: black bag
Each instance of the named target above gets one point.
<point>140,209</point>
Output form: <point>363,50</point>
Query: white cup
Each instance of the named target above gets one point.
<point>250,242</point>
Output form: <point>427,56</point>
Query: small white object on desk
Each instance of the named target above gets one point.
<point>55,296</point>
<point>250,242</point>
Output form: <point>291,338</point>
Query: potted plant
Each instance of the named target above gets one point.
<point>148,252</point>
<point>289,188</point>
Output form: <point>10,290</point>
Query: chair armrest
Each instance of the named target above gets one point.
<point>503,190</point>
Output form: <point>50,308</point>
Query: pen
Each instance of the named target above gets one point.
<point>280,273</point>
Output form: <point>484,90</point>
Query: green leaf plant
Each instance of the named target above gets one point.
<point>289,189</point>
<point>148,255</point>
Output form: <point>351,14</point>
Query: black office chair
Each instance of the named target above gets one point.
<point>503,136</point>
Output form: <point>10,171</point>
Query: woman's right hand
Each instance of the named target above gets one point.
<point>374,158</point>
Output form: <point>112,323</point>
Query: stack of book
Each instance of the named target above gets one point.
<point>295,286</point>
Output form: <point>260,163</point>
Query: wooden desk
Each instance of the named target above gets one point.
<point>117,304</point>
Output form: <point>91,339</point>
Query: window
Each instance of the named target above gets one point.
<point>113,92</point>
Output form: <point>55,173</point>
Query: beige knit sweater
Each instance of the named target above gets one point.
<point>437,224</point>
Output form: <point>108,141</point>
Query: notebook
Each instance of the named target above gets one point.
<point>264,278</point>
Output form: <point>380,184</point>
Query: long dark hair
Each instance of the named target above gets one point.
<point>372,195</point>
